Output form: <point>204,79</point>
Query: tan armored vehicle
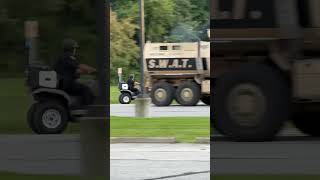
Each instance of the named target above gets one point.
<point>266,67</point>
<point>179,71</point>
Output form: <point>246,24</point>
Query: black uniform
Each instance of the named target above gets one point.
<point>66,68</point>
<point>131,86</point>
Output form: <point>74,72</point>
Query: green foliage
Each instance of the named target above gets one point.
<point>123,49</point>
<point>159,19</point>
<point>163,17</point>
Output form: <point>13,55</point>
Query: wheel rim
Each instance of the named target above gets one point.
<point>246,105</point>
<point>186,94</point>
<point>126,99</point>
<point>160,94</point>
<point>51,118</point>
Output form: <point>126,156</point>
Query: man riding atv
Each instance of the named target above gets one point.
<point>129,90</point>
<point>131,83</point>
<point>69,70</point>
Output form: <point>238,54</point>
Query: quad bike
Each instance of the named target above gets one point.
<point>126,95</point>
<point>52,108</point>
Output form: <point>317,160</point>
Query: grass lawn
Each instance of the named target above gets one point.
<point>14,176</point>
<point>114,95</point>
<point>184,129</point>
<point>264,177</point>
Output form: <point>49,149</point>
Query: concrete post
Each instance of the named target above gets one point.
<point>120,74</point>
<point>143,107</point>
<point>31,29</point>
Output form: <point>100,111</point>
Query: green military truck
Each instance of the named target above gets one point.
<point>266,67</point>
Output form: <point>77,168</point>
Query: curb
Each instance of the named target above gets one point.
<point>164,140</point>
<point>202,140</point>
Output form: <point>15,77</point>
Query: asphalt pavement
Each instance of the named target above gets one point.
<point>291,153</point>
<point>40,154</point>
<point>128,110</point>
<point>59,155</point>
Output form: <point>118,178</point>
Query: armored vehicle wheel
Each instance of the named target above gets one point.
<point>214,126</point>
<point>206,100</point>
<point>188,94</point>
<point>125,98</point>
<point>308,123</point>
<point>162,94</point>
<point>49,117</point>
<point>251,103</point>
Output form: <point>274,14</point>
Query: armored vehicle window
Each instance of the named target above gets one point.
<point>163,48</point>
<point>176,47</point>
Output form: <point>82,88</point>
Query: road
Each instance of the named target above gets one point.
<point>128,110</point>
<point>290,153</point>
<point>59,154</point>
<point>45,154</point>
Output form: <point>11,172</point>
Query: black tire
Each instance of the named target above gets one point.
<point>40,124</point>
<point>266,91</point>
<point>125,98</point>
<point>206,100</point>
<point>194,93</point>
<point>30,118</point>
<point>167,91</point>
<point>308,123</point>
<point>215,129</point>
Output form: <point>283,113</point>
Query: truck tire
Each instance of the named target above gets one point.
<point>188,94</point>
<point>251,103</point>
<point>49,117</point>
<point>206,100</point>
<point>162,94</point>
<point>307,122</point>
<point>214,126</point>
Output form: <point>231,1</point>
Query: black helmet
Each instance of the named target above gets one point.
<point>69,44</point>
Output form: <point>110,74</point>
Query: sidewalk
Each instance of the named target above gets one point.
<point>160,161</point>
<point>128,110</point>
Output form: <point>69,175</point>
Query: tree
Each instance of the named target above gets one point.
<point>165,16</point>
<point>124,50</point>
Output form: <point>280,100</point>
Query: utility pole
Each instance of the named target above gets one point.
<point>142,44</point>
<point>143,101</point>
